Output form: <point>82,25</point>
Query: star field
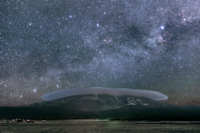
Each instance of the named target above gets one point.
<point>143,44</point>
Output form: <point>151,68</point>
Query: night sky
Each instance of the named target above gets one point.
<point>49,45</point>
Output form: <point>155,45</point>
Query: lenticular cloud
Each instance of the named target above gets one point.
<point>99,90</point>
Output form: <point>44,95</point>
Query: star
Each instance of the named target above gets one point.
<point>162,27</point>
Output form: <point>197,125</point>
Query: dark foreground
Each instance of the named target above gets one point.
<point>95,126</point>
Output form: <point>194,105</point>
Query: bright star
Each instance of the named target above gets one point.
<point>162,27</point>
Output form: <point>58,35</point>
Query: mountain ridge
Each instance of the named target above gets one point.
<point>94,102</point>
<point>102,106</point>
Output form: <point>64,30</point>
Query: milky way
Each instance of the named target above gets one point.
<point>53,45</point>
